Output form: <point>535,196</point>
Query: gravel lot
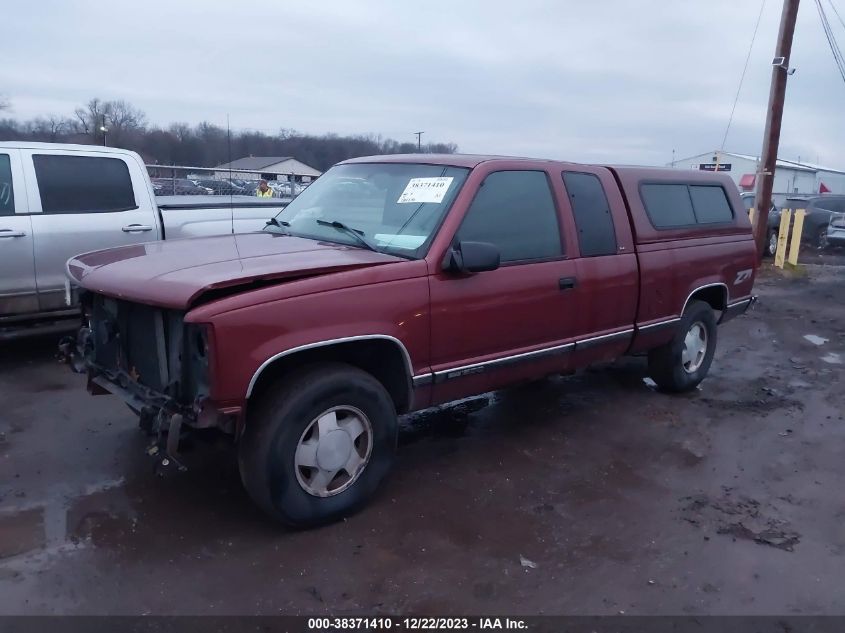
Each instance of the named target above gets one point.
<point>590,494</point>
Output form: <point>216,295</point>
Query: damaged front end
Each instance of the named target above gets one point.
<point>153,360</point>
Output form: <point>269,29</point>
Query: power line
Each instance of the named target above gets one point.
<point>831,40</point>
<point>839,17</point>
<point>742,77</point>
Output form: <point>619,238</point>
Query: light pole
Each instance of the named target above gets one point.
<point>104,130</point>
<point>419,141</point>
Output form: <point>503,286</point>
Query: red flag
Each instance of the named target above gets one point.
<point>823,188</point>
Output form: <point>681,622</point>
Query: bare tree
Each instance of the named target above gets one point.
<point>205,144</point>
<point>91,117</point>
<point>122,118</point>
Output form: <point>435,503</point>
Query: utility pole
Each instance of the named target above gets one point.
<point>774,116</point>
<point>419,141</point>
<point>104,130</point>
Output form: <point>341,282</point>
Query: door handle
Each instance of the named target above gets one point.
<point>136,228</point>
<point>11,233</point>
<point>567,283</point>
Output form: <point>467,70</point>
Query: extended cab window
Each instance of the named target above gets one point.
<point>515,211</point>
<point>668,205</point>
<point>710,204</point>
<point>596,235</point>
<point>671,205</point>
<point>7,196</point>
<point>83,184</point>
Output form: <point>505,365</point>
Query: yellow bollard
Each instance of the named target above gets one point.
<point>783,234</point>
<point>795,244</point>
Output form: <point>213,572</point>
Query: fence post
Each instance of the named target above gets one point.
<point>795,245</point>
<point>783,235</point>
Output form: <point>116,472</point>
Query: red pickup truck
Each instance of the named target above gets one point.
<point>395,283</point>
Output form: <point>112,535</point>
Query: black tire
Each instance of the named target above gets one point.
<point>771,243</point>
<point>821,238</point>
<point>666,365</point>
<point>275,425</point>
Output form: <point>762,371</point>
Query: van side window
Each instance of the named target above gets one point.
<point>710,204</point>
<point>7,195</point>
<point>83,184</point>
<point>596,235</point>
<point>515,211</point>
<point>668,205</point>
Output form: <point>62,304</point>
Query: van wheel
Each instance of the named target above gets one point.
<point>317,446</point>
<point>683,363</point>
<point>821,239</point>
<point>772,243</point>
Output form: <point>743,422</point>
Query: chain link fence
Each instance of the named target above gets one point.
<point>181,180</point>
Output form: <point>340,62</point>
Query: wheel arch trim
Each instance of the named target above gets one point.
<point>718,284</point>
<point>327,343</point>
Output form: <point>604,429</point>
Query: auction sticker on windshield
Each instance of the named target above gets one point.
<point>426,190</point>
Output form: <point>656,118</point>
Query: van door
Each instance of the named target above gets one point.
<point>18,294</point>
<point>83,201</point>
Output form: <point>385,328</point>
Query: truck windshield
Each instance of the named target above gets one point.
<point>396,207</point>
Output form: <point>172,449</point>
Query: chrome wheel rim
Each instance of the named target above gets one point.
<point>695,347</point>
<point>773,243</point>
<point>333,451</point>
<point>822,241</point>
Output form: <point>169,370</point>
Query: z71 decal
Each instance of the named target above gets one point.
<point>743,275</point>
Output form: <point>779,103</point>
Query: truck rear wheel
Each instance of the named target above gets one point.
<point>317,446</point>
<point>683,363</point>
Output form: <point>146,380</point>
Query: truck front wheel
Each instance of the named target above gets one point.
<point>682,364</point>
<point>316,447</point>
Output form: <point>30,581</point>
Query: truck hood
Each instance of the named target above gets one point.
<point>175,274</point>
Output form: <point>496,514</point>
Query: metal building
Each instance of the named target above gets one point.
<point>270,167</point>
<point>791,177</point>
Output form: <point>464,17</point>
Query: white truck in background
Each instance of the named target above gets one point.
<point>58,200</point>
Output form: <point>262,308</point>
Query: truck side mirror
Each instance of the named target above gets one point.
<point>471,257</point>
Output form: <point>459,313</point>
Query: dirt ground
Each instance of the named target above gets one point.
<point>591,494</point>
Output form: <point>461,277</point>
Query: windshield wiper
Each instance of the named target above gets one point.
<point>282,225</point>
<point>358,235</point>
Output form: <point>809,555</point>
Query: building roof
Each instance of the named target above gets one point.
<point>781,162</point>
<point>254,162</point>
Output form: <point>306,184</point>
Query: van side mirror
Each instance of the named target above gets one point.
<point>472,257</point>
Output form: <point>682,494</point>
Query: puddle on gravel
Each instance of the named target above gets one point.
<point>833,358</point>
<point>68,519</point>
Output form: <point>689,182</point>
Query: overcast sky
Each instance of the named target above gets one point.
<point>605,80</point>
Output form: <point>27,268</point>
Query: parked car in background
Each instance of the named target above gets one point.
<point>773,223</point>
<point>820,209</point>
<point>57,201</point>
<point>395,283</point>
<point>249,186</point>
<point>222,187</point>
<point>836,230</point>
<point>178,187</point>
<point>281,189</point>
